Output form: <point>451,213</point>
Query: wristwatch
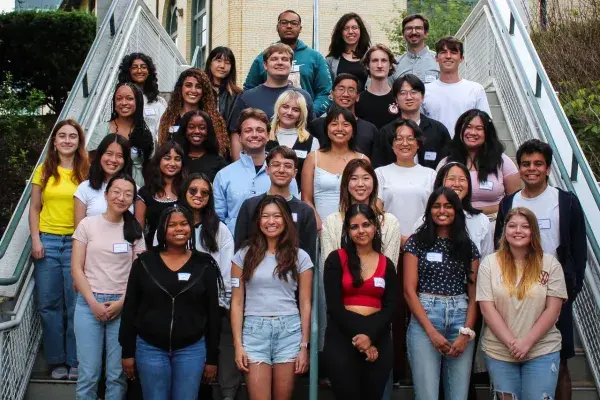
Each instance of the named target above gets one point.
<point>304,344</point>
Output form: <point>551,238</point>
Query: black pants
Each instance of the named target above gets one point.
<point>351,376</point>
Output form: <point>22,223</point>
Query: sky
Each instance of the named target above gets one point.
<point>7,5</point>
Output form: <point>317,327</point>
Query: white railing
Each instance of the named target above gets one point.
<point>500,54</point>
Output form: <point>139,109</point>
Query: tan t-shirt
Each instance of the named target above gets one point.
<point>520,315</point>
<point>108,256</point>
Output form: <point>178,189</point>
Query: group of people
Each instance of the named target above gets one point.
<point>179,245</point>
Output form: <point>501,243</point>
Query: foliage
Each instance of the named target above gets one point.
<point>44,50</point>
<point>445,18</point>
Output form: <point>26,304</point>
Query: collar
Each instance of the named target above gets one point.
<point>286,198</point>
<point>419,54</point>
<point>247,161</point>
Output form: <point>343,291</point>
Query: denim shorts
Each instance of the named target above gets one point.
<point>272,340</point>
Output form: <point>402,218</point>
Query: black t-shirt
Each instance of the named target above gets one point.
<point>375,109</point>
<point>355,68</point>
<point>154,208</point>
<point>208,164</point>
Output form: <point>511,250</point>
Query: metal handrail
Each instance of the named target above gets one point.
<point>19,316</point>
<point>314,329</point>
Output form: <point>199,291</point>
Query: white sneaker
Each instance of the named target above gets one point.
<point>59,372</point>
<point>73,373</point>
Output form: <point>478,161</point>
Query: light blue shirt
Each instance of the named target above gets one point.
<point>422,64</point>
<point>237,182</point>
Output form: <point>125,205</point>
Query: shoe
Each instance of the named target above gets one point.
<point>59,372</point>
<point>73,373</point>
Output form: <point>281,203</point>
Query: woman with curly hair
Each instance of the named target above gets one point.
<point>139,69</point>
<point>350,41</point>
<point>193,91</point>
<point>127,120</point>
<point>222,72</point>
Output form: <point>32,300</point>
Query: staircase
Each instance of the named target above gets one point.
<point>498,54</point>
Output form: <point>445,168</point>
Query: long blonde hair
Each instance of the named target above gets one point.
<point>533,262</point>
<point>286,97</point>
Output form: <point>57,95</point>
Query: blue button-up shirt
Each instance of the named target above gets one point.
<point>422,64</point>
<point>237,182</point>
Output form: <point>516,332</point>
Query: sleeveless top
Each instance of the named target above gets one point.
<point>326,194</point>
<point>369,294</point>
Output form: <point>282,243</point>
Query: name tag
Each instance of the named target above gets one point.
<point>301,153</point>
<point>296,67</point>
<point>149,111</point>
<point>174,128</point>
<point>544,223</point>
<point>120,248</point>
<point>487,185</point>
<point>434,257</point>
<point>184,276</point>
<point>235,282</point>
<point>379,282</point>
<point>295,217</point>
<point>430,155</point>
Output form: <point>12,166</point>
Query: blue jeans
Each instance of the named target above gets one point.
<point>92,335</point>
<point>56,299</point>
<point>447,314</point>
<point>531,379</point>
<point>173,375</point>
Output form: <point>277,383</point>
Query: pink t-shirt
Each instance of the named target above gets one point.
<point>108,256</point>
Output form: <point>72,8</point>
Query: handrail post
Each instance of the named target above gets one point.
<point>314,330</point>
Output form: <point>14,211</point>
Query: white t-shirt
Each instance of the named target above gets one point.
<point>92,198</point>
<point>404,192</point>
<point>446,102</point>
<point>152,114</point>
<point>545,208</point>
<point>288,137</point>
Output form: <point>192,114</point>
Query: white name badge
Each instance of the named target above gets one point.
<point>295,217</point>
<point>174,128</point>
<point>430,155</point>
<point>235,282</point>
<point>184,276</point>
<point>487,185</point>
<point>301,153</point>
<point>120,248</point>
<point>296,67</point>
<point>149,111</point>
<point>434,257</point>
<point>379,282</point>
<point>544,223</point>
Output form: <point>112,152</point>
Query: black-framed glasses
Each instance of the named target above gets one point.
<point>285,22</point>
<point>194,191</point>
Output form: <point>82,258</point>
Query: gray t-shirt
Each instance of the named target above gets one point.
<point>266,294</point>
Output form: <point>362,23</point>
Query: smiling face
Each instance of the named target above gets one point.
<point>361,230</point>
<point>345,93</point>
<point>442,211</point>
<point>112,160</point>
<point>474,134</point>
<point>405,144</point>
<point>289,27</point>
<point>198,194</point>
<point>351,33</point>
<point>414,33</point>
<point>533,169</point>
<point>518,231</point>
<point>449,60</point>
<point>456,180</point>
<point>179,230</point>
<point>66,140</point>
<point>170,164</point>
<point>278,65</point>
<point>220,67</point>
<point>409,99</point>
<point>196,131</point>
<point>289,114</point>
<point>379,64</point>
<point>272,223</point>
<point>281,171</point>
<point>125,101</point>
<point>360,186</point>
<point>138,71</point>
<point>119,197</point>
<point>340,131</point>
<point>253,135</point>
<point>191,91</point>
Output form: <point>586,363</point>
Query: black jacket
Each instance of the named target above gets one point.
<point>171,322</point>
<point>572,251</point>
<point>430,154</point>
<point>226,101</point>
<point>365,135</point>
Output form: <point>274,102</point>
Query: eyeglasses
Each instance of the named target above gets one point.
<point>117,193</point>
<point>405,93</point>
<point>286,166</point>
<point>341,90</point>
<point>142,67</point>
<point>414,28</point>
<point>409,140</point>
<point>285,22</point>
<point>194,191</point>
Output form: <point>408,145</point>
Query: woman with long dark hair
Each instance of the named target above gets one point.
<point>193,91</point>
<point>104,248</point>
<point>222,72</point>
<point>270,328</point>
<point>196,136</point>
<point>350,41</point>
<point>440,272</point>
<point>127,120</point>
<point>360,289</point>
<point>170,322</point>
<point>113,157</point>
<point>139,69</point>
<point>166,172</point>
<point>51,225</point>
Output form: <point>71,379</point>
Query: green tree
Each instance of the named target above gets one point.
<point>44,50</point>
<point>445,18</point>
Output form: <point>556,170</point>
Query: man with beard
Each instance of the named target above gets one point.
<point>418,59</point>
<point>309,71</point>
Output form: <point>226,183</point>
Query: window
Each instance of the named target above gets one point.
<point>172,21</point>
<point>200,31</point>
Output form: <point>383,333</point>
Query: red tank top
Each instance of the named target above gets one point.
<point>369,294</point>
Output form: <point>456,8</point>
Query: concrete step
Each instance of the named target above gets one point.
<point>500,124</point>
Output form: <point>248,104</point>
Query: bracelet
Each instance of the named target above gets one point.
<point>468,332</point>
<point>304,344</point>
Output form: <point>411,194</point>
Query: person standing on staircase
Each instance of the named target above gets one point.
<point>562,228</point>
<point>51,223</point>
<point>418,59</point>
<point>450,95</point>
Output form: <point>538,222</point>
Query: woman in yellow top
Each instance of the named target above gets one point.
<point>521,291</point>
<point>51,223</point>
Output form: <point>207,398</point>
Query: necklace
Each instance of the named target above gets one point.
<point>363,267</point>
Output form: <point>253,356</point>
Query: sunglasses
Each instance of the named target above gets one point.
<point>194,191</point>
